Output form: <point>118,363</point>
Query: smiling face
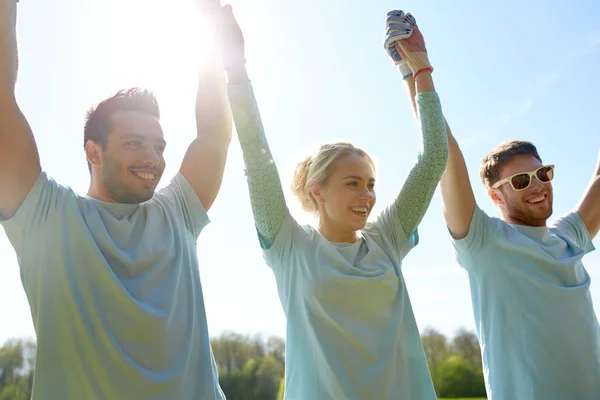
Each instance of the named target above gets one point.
<point>129,167</point>
<point>530,207</point>
<point>346,199</point>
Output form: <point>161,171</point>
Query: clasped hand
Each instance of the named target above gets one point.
<point>226,33</point>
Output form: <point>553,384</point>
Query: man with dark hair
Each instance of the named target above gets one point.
<point>535,319</point>
<point>97,122</point>
<point>112,277</point>
<point>493,161</point>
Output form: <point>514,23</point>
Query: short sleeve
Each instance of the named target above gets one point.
<point>43,200</point>
<point>181,196</point>
<point>388,224</point>
<point>290,238</point>
<point>482,228</point>
<point>572,228</point>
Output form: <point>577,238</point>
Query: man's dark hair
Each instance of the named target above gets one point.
<point>492,163</point>
<point>98,118</point>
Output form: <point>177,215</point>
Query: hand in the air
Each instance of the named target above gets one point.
<point>397,27</point>
<point>230,38</point>
<point>405,44</point>
<point>413,49</point>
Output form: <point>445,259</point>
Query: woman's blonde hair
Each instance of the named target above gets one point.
<point>316,170</point>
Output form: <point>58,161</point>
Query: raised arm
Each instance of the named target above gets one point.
<point>589,206</point>
<point>457,195</point>
<point>19,158</point>
<point>266,194</point>
<point>204,162</point>
<point>406,47</point>
<point>418,189</point>
<point>458,201</point>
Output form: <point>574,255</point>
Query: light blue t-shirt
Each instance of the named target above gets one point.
<point>539,334</point>
<point>351,332</point>
<point>115,294</point>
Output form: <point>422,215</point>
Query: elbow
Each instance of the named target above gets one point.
<point>216,130</point>
<point>217,137</point>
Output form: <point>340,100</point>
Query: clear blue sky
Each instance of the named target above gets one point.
<point>503,70</point>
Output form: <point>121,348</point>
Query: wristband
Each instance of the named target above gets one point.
<point>430,69</point>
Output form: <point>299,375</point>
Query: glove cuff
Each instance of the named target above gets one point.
<point>417,61</point>
<point>404,69</point>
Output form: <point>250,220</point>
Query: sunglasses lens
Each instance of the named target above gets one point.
<point>520,182</point>
<point>545,174</point>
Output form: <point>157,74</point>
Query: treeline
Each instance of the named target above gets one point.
<point>454,364</point>
<point>252,367</point>
<point>17,358</point>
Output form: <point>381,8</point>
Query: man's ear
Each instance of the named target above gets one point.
<point>496,196</point>
<point>93,152</point>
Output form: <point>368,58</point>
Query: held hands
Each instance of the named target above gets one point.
<point>404,44</point>
<point>227,34</point>
<point>397,28</point>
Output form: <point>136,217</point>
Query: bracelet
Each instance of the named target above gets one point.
<point>407,75</point>
<point>430,69</point>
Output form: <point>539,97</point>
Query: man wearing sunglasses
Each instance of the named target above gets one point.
<point>535,319</point>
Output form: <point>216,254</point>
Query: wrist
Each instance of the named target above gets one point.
<point>237,74</point>
<point>405,70</point>
<point>233,60</point>
<point>426,70</point>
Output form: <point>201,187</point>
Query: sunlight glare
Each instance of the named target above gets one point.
<point>156,44</point>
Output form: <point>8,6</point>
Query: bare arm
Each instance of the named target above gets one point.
<point>458,201</point>
<point>589,206</point>
<point>204,162</point>
<point>19,158</point>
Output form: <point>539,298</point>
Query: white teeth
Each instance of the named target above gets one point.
<point>537,199</point>
<point>359,209</point>
<point>145,175</point>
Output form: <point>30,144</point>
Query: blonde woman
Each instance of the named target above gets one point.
<point>351,333</point>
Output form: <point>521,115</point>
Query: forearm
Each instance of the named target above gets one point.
<point>411,90</point>
<point>458,200</point>
<point>417,192</point>
<point>8,49</point>
<point>266,194</point>
<point>421,84</point>
<point>424,83</point>
<point>213,113</point>
<point>589,207</point>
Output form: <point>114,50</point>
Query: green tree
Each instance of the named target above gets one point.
<point>232,350</point>
<point>275,347</point>
<point>458,378</point>
<point>250,368</point>
<point>17,359</point>
<point>466,345</point>
<point>281,390</point>
<point>436,349</point>
<point>268,377</point>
